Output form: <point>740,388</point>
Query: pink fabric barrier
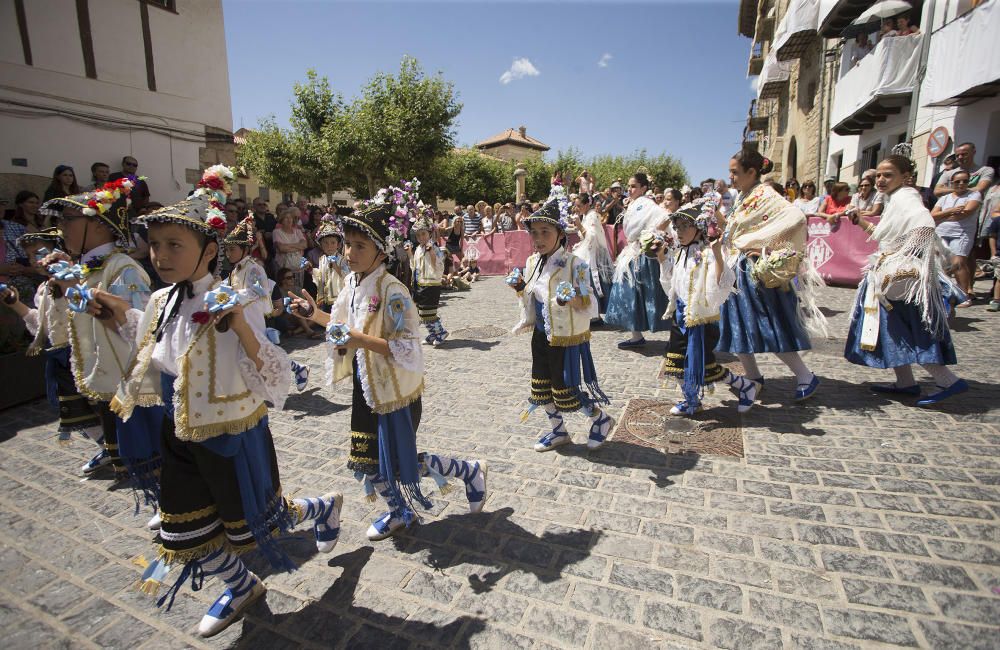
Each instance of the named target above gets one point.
<point>839,251</point>
<point>501,252</point>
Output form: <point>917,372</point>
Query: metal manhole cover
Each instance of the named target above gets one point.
<point>715,431</point>
<point>479,333</point>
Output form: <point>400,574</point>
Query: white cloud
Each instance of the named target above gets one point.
<point>605,60</point>
<point>754,81</point>
<point>518,70</point>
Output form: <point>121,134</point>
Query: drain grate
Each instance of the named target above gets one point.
<point>648,423</point>
<point>479,333</point>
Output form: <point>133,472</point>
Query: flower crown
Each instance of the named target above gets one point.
<point>102,199</point>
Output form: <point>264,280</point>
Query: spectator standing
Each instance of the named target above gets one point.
<point>808,202</point>
<point>264,223</point>
<point>585,182</point>
<point>672,201</point>
<point>956,215</point>
<point>290,245</point>
<point>836,204</point>
<point>473,220</point>
<point>866,201</point>
<point>488,222</point>
<point>140,193</point>
<point>980,177</point>
<point>63,183</point>
<point>99,173</point>
<point>903,26</point>
<point>614,208</point>
<point>791,190</point>
<point>23,274</point>
<point>506,220</point>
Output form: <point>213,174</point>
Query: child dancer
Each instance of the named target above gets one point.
<point>374,329</point>
<point>766,239</point>
<point>556,307</point>
<point>428,268</point>
<point>254,288</point>
<point>220,492</point>
<point>95,228</point>
<point>49,321</point>
<point>332,269</point>
<point>697,281</point>
<point>593,249</point>
<point>899,316</point>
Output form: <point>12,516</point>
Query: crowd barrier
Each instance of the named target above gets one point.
<point>501,252</point>
<point>839,251</point>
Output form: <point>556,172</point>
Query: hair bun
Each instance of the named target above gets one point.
<point>766,166</point>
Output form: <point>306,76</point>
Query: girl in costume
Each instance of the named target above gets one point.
<point>48,322</point>
<point>220,492</point>
<point>556,306</point>
<point>254,288</point>
<point>373,329</point>
<point>593,249</point>
<point>899,315</point>
<point>697,281</point>
<point>637,301</point>
<point>95,227</point>
<point>773,309</point>
<point>330,273</point>
<point>428,269</point>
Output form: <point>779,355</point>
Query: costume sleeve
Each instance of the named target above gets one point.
<point>667,271</point>
<point>255,287</point>
<point>400,324</point>
<point>716,293</point>
<point>132,285</point>
<point>31,319</point>
<point>129,330</point>
<point>274,378</point>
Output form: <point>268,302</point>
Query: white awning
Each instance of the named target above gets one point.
<point>835,15</point>
<point>878,86</point>
<point>773,76</point>
<point>797,28</point>
<point>963,64</point>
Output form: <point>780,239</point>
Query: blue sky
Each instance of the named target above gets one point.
<point>611,77</point>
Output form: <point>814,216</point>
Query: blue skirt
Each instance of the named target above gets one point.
<point>637,305</point>
<point>902,338</point>
<point>758,319</point>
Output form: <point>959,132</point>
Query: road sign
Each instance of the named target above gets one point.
<point>938,142</point>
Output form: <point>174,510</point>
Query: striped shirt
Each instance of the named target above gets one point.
<point>473,222</point>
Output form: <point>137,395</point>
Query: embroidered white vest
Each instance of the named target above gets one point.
<point>53,322</point>
<point>329,280</point>
<point>99,357</point>
<point>210,396</point>
<point>566,326</point>
<point>429,266</point>
<point>390,386</point>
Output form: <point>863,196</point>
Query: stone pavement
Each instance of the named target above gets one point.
<point>854,521</point>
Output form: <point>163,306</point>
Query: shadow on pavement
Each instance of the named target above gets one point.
<point>492,540</point>
<point>312,403</point>
<point>629,455</point>
<point>331,620</point>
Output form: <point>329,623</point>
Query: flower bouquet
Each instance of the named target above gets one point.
<point>564,293</point>
<point>650,241</point>
<point>776,268</point>
<point>515,279</point>
<point>338,334</point>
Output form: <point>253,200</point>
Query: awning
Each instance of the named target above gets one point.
<point>797,29</point>
<point>956,80</point>
<point>879,86</point>
<point>773,77</point>
<point>835,15</point>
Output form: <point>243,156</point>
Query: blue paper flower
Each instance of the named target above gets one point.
<point>288,305</point>
<point>78,297</point>
<point>561,262</point>
<point>64,271</point>
<point>397,312</point>
<point>338,333</point>
<point>303,263</point>
<point>221,298</point>
<point>258,289</point>
<point>514,277</point>
<point>565,291</point>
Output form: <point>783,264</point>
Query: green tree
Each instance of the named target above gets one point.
<point>296,159</point>
<point>468,176</point>
<point>396,129</point>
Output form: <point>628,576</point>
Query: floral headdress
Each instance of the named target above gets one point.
<point>328,227</point>
<point>701,212</point>
<point>244,234</point>
<point>203,209</point>
<point>387,217</point>
<point>425,221</point>
<point>555,211</point>
<point>109,203</point>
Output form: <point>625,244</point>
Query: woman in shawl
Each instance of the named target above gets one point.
<point>899,315</point>
<point>766,240</point>
<point>593,249</point>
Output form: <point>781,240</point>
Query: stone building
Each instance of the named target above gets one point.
<point>513,145</point>
<point>95,80</point>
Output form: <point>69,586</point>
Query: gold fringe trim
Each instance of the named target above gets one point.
<point>371,498</point>
<point>569,341</point>
<point>198,552</point>
<point>117,407</point>
<point>701,321</point>
<point>232,427</point>
<point>445,489</point>
<point>187,516</point>
<point>395,405</point>
<point>149,399</point>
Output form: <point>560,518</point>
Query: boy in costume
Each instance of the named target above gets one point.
<point>48,322</point>
<point>428,269</point>
<point>220,492</point>
<point>373,329</point>
<point>556,307</point>
<point>697,282</point>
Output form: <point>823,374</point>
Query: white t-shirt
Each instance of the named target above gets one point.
<point>967,226</point>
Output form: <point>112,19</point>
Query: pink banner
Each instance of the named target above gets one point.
<point>501,252</point>
<point>839,251</point>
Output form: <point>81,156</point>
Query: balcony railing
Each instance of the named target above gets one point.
<point>954,79</point>
<point>797,29</point>
<point>756,59</point>
<point>880,85</point>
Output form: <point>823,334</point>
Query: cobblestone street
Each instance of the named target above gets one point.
<point>852,521</point>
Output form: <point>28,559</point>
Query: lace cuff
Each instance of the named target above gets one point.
<point>273,379</point>
<point>406,354</point>
<point>31,321</point>
<point>129,330</point>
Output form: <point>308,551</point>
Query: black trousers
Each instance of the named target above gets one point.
<point>364,428</point>
<point>674,359</point>
<point>547,384</point>
<point>109,425</point>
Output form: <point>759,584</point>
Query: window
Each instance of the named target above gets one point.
<point>169,5</point>
<point>265,193</point>
<point>868,158</point>
<point>242,191</point>
<point>901,138</point>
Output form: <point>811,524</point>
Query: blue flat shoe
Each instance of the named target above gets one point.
<point>624,345</point>
<point>958,387</point>
<point>805,391</point>
<point>893,389</point>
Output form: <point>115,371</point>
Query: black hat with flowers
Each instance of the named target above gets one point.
<point>51,236</point>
